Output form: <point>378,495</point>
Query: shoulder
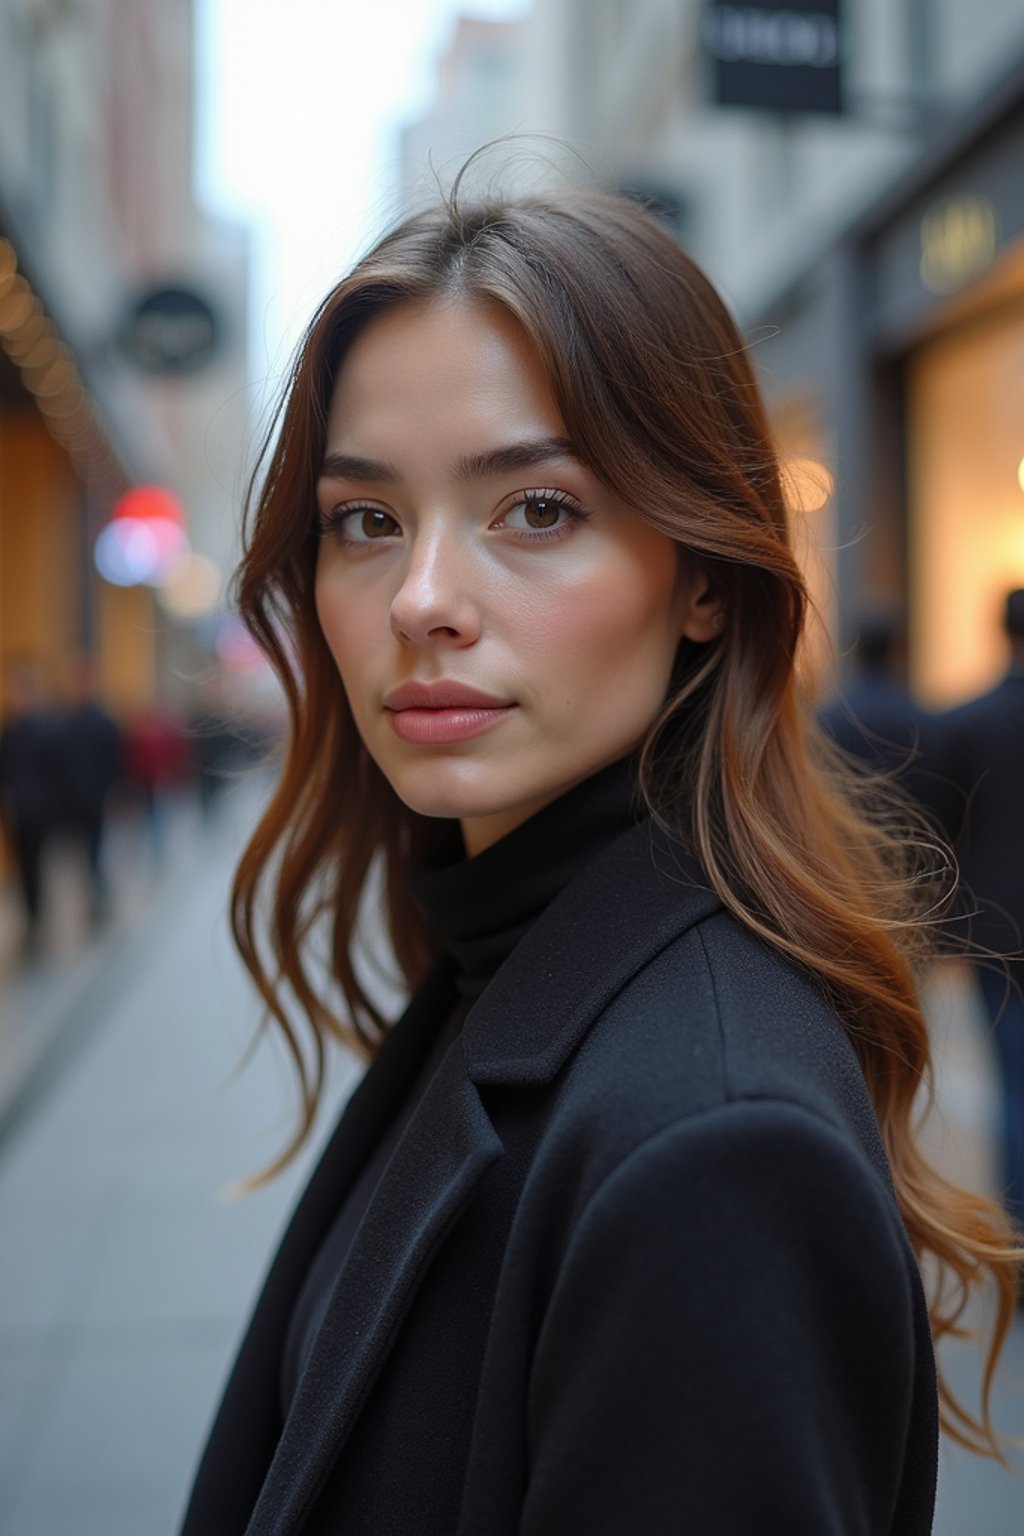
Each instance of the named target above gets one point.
<point>755,1175</point>
<point>718,1036</point>
<point>727,1017</point>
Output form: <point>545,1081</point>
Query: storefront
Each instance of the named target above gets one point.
<point>59,476</point>
<point>965,481</point>
<point>900,357</point>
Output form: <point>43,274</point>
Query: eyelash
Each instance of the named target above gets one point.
<point>334,521</point>
<point>561,499</point>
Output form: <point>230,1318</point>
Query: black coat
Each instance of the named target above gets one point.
<point>636,1264</point>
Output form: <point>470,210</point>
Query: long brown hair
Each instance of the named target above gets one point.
<point>658,395</point>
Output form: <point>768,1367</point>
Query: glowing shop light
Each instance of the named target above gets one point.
<point>190,587</point>
<point>144,538</point>
<point>126,553</point>
<point>1020,474</point>
<point>807,484</point>
<point>146,503</point>
<point>131,551</point>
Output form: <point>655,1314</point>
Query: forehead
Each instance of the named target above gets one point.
<point>424,361</point>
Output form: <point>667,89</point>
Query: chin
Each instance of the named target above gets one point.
<point>441,790</point>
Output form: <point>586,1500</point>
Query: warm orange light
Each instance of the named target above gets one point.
<point>17,305</point>
<point>807,484</point>
<point>191,587</point>
<point>41,353</point>
<point>1020,474</point>
<point>28,335</point>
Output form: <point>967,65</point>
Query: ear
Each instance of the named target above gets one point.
<point>703,613</point>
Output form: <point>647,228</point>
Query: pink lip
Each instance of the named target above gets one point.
<point>435,713</point>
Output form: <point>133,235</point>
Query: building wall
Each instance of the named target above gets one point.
<point>478,98</point>
<point>40,510</point>
<point>766,194</point>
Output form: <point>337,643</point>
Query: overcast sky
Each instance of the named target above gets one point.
<point>299,102</point>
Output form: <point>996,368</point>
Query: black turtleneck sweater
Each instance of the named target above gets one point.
<point>479,909</point>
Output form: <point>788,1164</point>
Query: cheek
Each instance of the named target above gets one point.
<point>340,625</point>
<point>327,612</point>
<point>619,619</point>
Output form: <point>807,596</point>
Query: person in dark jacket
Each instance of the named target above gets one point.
<point>620,1230</point>
<point>876,719</point>
<point>91,765</point>
<point>982,757</point>
<point>29,784</point>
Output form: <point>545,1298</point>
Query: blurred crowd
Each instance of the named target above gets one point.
<point>68,766</point>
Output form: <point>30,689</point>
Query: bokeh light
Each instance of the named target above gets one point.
<point>237,650</point>
<point>190,587</point>
<point>145,503</point>
<point>807,484</point>
<point>131,551</point>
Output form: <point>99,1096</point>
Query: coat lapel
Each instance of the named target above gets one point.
<point>447,1148</point>
<point>625,906</point>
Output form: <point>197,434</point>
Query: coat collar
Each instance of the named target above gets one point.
<point>635,897</point>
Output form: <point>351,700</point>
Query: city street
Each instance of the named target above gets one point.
<point>126,1267</point>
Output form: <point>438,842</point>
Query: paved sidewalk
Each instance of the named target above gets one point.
<point>40,997</point>
<point>126,1271</point>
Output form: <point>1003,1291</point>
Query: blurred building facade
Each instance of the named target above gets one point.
<point>874,254</point>
<point>479,78</point>
<point>122,323</point>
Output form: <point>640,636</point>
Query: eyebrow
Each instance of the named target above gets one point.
<point>470,466</point>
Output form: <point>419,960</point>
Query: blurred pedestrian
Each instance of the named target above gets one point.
<point>158,760</point>
<point>29,783</point>
<point>982,755</point>
<point>90,766</point>
<point>618,1233</point>
<point>875,718</point>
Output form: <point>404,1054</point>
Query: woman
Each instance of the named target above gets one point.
<point>619,1230</point>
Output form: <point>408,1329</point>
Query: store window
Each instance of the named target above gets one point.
<point>965,405</point>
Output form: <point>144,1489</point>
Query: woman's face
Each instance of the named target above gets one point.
<point>502,623</point>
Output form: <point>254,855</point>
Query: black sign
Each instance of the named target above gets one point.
<point>171,330</point>
<point>781,58</point>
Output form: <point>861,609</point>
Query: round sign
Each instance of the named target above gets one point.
<point>170,330</point>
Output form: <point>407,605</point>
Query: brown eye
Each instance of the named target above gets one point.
<point>550,513</point>
<point>376,525</point>
<point>542,514</point>
<point>361,525</point>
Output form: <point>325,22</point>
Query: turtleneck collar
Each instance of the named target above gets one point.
<point>480,908</point>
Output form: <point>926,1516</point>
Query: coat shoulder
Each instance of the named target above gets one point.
<point>717,1018</point>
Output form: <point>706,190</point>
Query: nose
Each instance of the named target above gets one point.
<point>434,601</point>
